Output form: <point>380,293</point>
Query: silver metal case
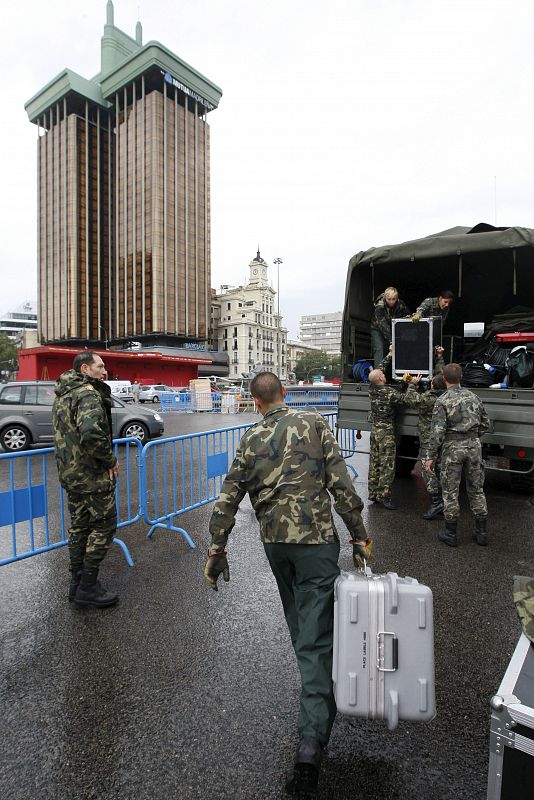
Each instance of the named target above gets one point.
<point>413,346</point>
<point>383,648</point>
<point>511,763</point>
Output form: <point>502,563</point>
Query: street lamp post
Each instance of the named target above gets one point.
<point>278,261</point>
<point>105,335</point>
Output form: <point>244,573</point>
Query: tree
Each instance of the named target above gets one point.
<point>8,356</point>
<point>317,363</point>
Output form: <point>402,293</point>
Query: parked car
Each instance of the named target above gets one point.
<point>26,417</point>
<point>152,393</point>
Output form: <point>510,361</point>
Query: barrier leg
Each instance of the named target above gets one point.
<point>349,466</point>
<point>126,552</point>
<point>170,527</point>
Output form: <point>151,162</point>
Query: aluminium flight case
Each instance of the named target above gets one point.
<point>511,762</point>
<point>383,647</point>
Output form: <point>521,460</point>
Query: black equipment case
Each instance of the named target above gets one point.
<point>511,763</point>
<point>413,346</point>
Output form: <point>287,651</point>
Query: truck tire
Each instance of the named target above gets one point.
<point>523,484</point>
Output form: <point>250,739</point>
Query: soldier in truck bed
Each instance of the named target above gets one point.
<point>435,306</point>
<point>388,306</point>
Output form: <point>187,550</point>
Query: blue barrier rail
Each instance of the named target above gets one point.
<point>158,483</point>
<point>34,507</point>
<point>216,402</point>
<point>185,472</point>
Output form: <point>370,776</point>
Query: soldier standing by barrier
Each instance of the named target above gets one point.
<point>289,463</point>
<point>459,420</point>
<point>88,469</point>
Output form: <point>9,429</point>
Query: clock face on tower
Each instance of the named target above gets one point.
<point>255,272</point>
<point>263,273</point>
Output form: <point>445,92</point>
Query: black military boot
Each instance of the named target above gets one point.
<point>75,575</point>
<point>436,507</point>
<point>387,502</point>
<point>91,593</point>
<point>448,536</point>
<point>304,781</point>
<point>481,534</point>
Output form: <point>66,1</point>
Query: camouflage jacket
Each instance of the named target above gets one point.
<point>524,603</point>
<point>384,399</point>
<point>430,308</point>
<point>288,463</point>
<point>458,414</point>
<point>424,402</point>
<point>81,417</point>
<point>383,314</point>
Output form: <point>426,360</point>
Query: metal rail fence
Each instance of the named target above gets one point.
<point>33,507</point>
<point>225,401</point>
<point>158,483</point>
<point>185,472</point>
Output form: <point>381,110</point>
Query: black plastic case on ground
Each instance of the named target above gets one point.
<point>511,763</point>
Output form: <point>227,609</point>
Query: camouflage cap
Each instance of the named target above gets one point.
<point>524,603</point>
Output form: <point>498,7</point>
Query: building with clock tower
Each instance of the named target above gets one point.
<point>245,323</point>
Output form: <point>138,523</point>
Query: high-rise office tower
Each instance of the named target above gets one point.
<point>124,197</point>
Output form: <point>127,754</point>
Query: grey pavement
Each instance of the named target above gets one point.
<point>181,692</point>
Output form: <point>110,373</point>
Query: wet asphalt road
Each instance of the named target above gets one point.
<point>182,693</point>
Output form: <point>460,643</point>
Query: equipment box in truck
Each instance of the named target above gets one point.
<point>491,272</point>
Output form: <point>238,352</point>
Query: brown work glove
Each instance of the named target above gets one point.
<point>362,552</point>
<point>216,564</point>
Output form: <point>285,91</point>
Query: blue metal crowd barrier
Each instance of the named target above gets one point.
<point>34,506</point>
<point>216,401</point>
<point>185,472</point>
<point>158,483</point>
<point>316,398</point>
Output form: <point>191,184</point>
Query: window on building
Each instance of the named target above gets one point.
<point>228,306</point>
<point>235,332</point>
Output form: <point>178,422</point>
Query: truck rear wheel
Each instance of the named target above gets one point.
<point>523,483</point>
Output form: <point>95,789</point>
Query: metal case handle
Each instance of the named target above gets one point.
<point>381,651</point>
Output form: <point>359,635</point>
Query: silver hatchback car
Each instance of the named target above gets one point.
<point>152,393</point>
<point>26,417</point>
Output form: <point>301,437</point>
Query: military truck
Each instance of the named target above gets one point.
<point>491,272</point>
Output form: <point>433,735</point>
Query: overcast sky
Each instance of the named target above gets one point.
<point>343,124</point>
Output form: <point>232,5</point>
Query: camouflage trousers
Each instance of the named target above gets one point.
<point>466,456</point>
<point>93,521</point>
<point>432,484</point>
<point>381,462</point>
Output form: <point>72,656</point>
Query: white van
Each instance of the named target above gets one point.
<point>122,390</point>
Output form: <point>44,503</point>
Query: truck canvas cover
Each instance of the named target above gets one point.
<point>490,270</point>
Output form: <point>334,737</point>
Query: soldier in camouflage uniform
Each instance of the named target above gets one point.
<point>87,466</point>
<point>424,403</point>
<point>435,306</point>
<point>289,463</point>
<point>388,306</point>
<point>384,399</point>
<point>524,603</point>
<point>459,420</point>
